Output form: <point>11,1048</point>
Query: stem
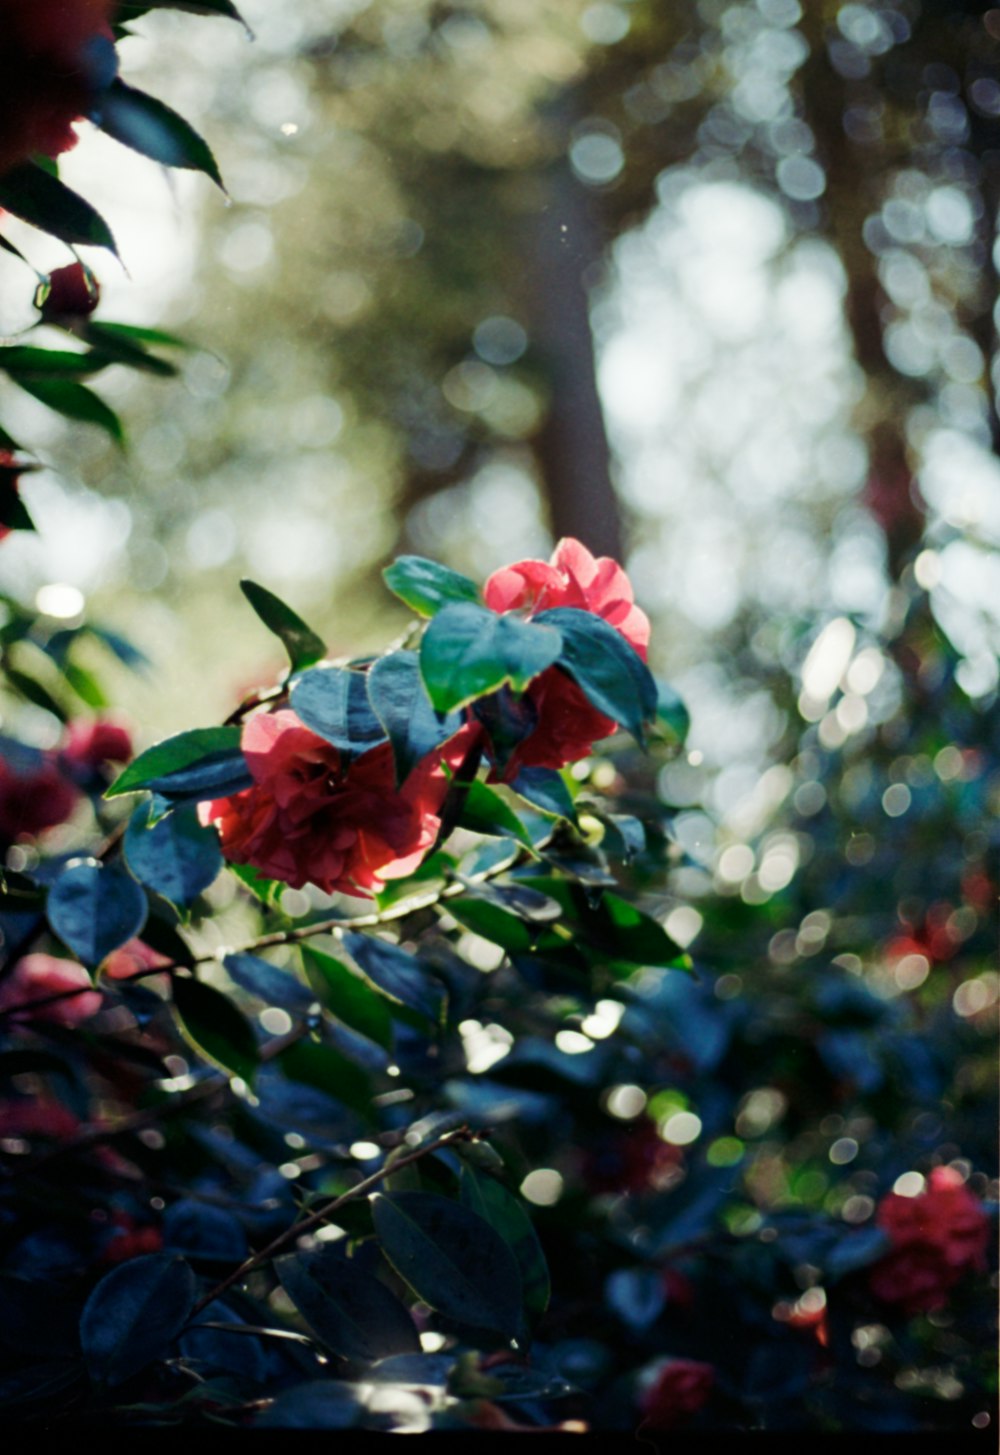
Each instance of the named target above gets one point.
<point>292,1234</point>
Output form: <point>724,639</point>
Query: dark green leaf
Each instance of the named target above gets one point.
<point>425,586</point>
<point>451,1258</point>
<point>134,1314</point>
<point>178,856</point>
<point>75,401</point>
<point>507,1216</point>
<point>330,1072</point>
<point>148,126</point>
<point>547,790</point>
<point>34,195</point>
<point>94,910</point>
<point>269,984</point>
<point>118,333</point>
<point>23,359</point>
<point>609,672</point>
<point>85,684</point>
<point>612,928</point>
<point>333,701</point>
<point>219,1031</point>
<point>33,691</point>
<point>201,763</point>
<point>396,973</point>
<point>492,923</point>
<point>485,812</point>
<point>349,1310</point>
<point>348,996</point>
<point>672,717</point>
<point>301,643</point>
<point>468,651</point>
<point>399,697</point>
<point>112,348</point>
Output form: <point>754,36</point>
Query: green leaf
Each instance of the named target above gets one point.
<point>217,1030</point>
<point>34,195</point>
<point>148,126</point>
<point>110,348</point>
<point>672,717</point>
<point>301,643</point>
<point>333,702</point>
<point>118,333</point>
<point>398,695</point>
<point>178,856</point>
<point>94,910</point>
<point>492,923</point>
<point>74,401</point>
<point>485,812</point>
<point>85,685</point>
<point>609,672</point>
<point>613,928</point>
<point>426,587</point>
<point>507,1216</point>
<point>350,1310</point>
<point>267,983</point>
<point>20,359</point>
<point>546,789</point>
<point>201,763</point>
<point>396,973</point>
<point>330,1072</point>
<point>134,1314</point>
<point>33,691</point>
<point>468,651</point>
<point>348,996</point>
<point>452,1259</point>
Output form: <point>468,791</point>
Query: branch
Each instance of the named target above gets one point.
<point>292,1234</point>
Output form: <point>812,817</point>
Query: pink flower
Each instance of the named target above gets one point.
<point>89,742</point>
<point>313,817</point>
<point>39,976</point>
<point>33,798</point>
<point>567,725</point>
<point>679,1387</point>
<point>72,292</point>
<point>935,1238</point>
<point>131,959</point>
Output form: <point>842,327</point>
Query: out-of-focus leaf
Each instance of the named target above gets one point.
<point>75,401</point>
<point>268,983</point>
<point>324,1404</point>
<point>396,973</point>
<point>199,1231</point>
<point>217,1029</point>
<point>94,909</point>
<point>133,1315</point>
<point>301,643</point>
<point>350,1310</point>
<point>34,195</point>
<point>330,1072</point>
<point>451,1258</point>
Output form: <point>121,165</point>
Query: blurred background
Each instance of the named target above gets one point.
<point>710,286</point>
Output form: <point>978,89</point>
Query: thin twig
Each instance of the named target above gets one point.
<point>290,1235</point>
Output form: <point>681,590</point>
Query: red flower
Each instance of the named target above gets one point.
<point>567,725</point>
<point>313,817</point>
<point>132,959</point>
<point>935,1238</point>
<point>37,977</point>
<point>70,293</point>
<point>57,57</point>
<point>630,1159</point>
<point>679,1387</point>
<point>90,742</point>
<point>33,796</point>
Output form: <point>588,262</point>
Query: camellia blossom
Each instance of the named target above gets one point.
<point>90,742</point>
<point>56,57</point>
<point>678,1387</point>
<point>34,796</point>
<point>314,816</point>
<point>936,1237</point>
<point>38,977</point>
<point>567,725</point>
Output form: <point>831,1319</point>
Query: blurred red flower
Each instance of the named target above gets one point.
<point>314,817</point>
<point>89,742</point>
<point>34,796</point>
<point>70,293</point>
<point>36,978</point>
<point>678,1387</point>
<point>567,725</point>
<point>56,58</point>
<point>936,1236</point>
